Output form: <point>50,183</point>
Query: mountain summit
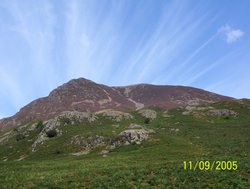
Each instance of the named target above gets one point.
<point>87,96</point>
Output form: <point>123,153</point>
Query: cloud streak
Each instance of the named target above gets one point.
<point>36,28</point>
<point>205,70</point>
<point>44,44</point>
<point>231,35</point>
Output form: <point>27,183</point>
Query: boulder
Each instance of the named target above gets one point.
<point>130,136</point>
<point>222,112</point>
<point>73,117</point>
<point>134,126</point>
<point>115,115</point>
<point>147,113</point>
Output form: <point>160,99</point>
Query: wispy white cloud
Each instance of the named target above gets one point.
<point>182,67</point>
<point>205,70</point>
<point>10,86</point>
<point>36,27</point>
<point>170,37</point>
<point>218,86</point>
<point>231,34</point>
<point>93,46</point>
<point>29,73</point>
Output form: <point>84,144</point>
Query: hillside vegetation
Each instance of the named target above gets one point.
<point>137,149</point>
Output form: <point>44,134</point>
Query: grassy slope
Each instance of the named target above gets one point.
<point>153,164</point>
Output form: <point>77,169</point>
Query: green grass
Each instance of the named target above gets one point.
<point>157,163</point>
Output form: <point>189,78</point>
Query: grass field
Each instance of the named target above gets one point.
<point>157,163</point>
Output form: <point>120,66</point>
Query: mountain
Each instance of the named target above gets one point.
<point>87,96</point>
<point>88,135</point>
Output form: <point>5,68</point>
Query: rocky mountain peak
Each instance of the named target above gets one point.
<point>74,84</point>
<point>84,95</point>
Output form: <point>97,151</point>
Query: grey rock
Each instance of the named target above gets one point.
<point>48,125</point>
<point>130,136</point>
<point>115,115</point>
<point>134,126</point>
<point>174,130</point>
<point>222,112</point>
<point>74,117</point>
<point>147,113</point>
<point>67,117</point>
<point>85,152</point>
<point>103,152</point>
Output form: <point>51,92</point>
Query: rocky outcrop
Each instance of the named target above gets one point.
<point>115,115</point>
<point>52,124</point>
<point>222,112</point>
<point>199,111</point>
<point>196,110</point>
<point>130,136</point>
<point>73,117</point>
<point>147,113</point>
<point>135,126</point>
<point>135,134</point>
<point>66,118</point>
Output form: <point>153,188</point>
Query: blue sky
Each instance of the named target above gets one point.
<point>198,43</point>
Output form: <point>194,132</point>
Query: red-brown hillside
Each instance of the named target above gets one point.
<point>85,95</point>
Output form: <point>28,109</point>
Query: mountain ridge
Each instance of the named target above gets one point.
<point>87,96</point>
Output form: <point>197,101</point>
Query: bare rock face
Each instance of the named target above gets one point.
<point>135,134</point>
<point>66,118</point>
<point>52,124</point>
<point>130,136</point>
<point>135,126</point>
<point>147,113</point>
<point>115,115</point>
<point>104,152</point>
<point>196,110</point>
<point>222,112</point>
<point>83,95</point>
<point>74,116</point>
